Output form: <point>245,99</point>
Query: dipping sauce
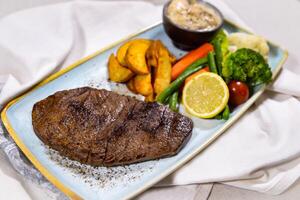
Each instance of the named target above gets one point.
<point>193,16</point>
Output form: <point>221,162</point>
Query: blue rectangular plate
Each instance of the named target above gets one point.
<point>85,182</point>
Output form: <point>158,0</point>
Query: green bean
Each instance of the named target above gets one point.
<point>219,116</point>
<point>175,85</point>
<point>212,63</point>
<point>173,102</point>
<point>219,56</point>
<point>226,113</point>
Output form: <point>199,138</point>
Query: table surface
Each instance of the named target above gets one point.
<point>278,20</point>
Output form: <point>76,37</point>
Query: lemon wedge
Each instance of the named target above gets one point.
<point>206,95</point>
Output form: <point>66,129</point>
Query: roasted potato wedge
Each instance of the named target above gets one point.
<point>145,65</point>
<point>121,53</point>
<point>173,59</point>
<point>152,54</point>
<point>142,84</point>
<point>150,98</point>
<point>162,77</point>
<point>136,57</point>
<point>130,85</point>
<point>118,73</point>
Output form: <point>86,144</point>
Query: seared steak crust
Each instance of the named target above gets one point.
<point>103,128</point>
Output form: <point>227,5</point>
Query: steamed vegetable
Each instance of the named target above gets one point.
<point>219,57</point>
<point>226,113</point>
<point>244,40</point>
<point>220,43</point>
<point>212,63</point>
<point>175,85</point>
<point>222,39</point>
<point>247,66</point>
<point>189,58</point>
<point>173,102</point>
<point>239,92</point>
<point>205,69</point>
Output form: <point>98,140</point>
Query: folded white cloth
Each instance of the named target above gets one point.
<point>260,152</point>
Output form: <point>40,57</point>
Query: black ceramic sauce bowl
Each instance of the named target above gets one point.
<point>189,39</point>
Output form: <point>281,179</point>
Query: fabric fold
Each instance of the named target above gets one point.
<point>260,152</point>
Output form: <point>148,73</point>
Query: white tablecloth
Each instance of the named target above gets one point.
<point>264,158</point>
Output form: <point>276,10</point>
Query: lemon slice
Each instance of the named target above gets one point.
<point>206,95</point>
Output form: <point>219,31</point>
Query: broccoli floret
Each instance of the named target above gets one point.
<point>248,66</point>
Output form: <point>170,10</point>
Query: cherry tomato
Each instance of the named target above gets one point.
<point>239,92</point>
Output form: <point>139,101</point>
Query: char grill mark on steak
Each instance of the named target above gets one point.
<point>119,121</point>
<point>111,113</point>
<point>147,118</point>
<point>150,117</point>
<point>102,128</point>
<point>86,116</point>
<point>75,112</point>
<point>49,107</point>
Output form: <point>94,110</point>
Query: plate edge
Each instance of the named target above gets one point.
<point>32,158</point>
<point>72,194</point>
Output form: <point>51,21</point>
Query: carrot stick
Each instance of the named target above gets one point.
<point>205,69</point>
<point>189,58</point>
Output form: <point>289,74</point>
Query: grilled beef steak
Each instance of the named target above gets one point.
<point>103,128</point>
